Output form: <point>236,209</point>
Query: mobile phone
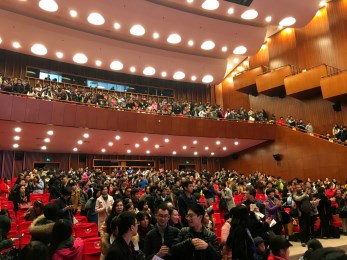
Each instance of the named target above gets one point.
<point>19,236</point>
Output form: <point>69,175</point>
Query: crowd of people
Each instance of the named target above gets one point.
<point>171,214</point>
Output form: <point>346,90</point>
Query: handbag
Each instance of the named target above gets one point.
<point>24,205</point>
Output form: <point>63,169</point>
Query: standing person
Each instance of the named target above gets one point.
<point>160,239</point>
<point>227,195</point>
<point>302,200</point>
<point>64,204</point>
<point>92,215</point>
<point>122,248</point>
<point>185,200</point>
<point>324,211</point>
<point>343,212</point>
<point>103,206</point>
<point>208,192</point>
<point>273,209</point>
<point>144,227</point>
<point>196,242</point>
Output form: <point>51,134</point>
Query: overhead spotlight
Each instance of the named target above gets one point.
<point>75,149</point>
<point>50,132</point>
<point>15,145</point>
<point>174,152</point>
<point>110,144</point>
<point>195,153</point>
<point>195,142</point>
<point>16,138</point>
<point>86,135</point>
<point>156,146</point>
<point>103,150</point>
<point>43,147</point>
<point>137,145</point>
<point>217,142</point>
<point>145,139</point>
<point>47,140</point>
<point>18,129</point>
<point>166,140</point>
<point>117,137</point>
<point>184,147</point>
<point>128,151</point>
<point>148,152</point>
<point>80,142</point>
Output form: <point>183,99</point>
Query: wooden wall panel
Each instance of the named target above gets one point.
<point>45,112</point>
<point>32,110</point>
<point>303,156</point>
<point>233,98</point>
<point>18,109</point>
<point>69,115</point>
<point>58,113</point>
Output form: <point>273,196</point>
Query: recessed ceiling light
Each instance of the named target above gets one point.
<point>240,68</point>
<point>47,140</point>
<point>195,153</point>
<point>43,147</point>
<point>174,38</point>
<point>137,30</point>
<point>128,151</point>
<point>59,55</point>
<point>16,138</point>
<point>86,135</point>
<point>98,63</point>
<point>224,48</point>
<point>268,19</point>
<point>48,5</point>
<point>288,21</point>
<point>236,143</point>
<point>193,78</point>
<point>0,40</point>
<point>145,139</point>
<point>207,79</point>
<point>132,69</point>
<point>236,60</point>
<point>163,74</point>
<point>50,132</point>
<point>190,1</point>
<point>117,137</point>
<point>16,45</point>
<point>103,150</point>
<point>249,14</point>
<point>156,146</point>
<point>80,142</point>
<point>116,65</point>
<point>208,45</point>
<point>148,152</point>
<point>212,153</point>
<point>210,4</point>
<point>149,71</point>
<point>96,19</point>
<point>230,10</point>
<point>39,49</point>
<point>184,147</point>
<point>174,152</point>
<point>116,26</point>
<point>110,144</point>
<point>75,149</point>
<point>73,13</point>
<point>166,140</point>
<point>190,42</point>
<point>195,142</point>
<point>137,145</point>
<point>224,148</point>
<point>179,75</point>
<point>15,145</point>
<point>217,142</point>
<point>80,58</point>
<point>206,148</point>
<point>245,63</point>
<point>240,50</point>
<point>155,35</point>
<point>18,129</point>
<point>323,3</point>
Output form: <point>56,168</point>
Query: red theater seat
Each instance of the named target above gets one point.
<point>85,230</point>
<point>92,248</point>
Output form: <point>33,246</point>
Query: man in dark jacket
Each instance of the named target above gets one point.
<point>196,242</point>
<point>160,239</point>
<point>186,200</point>
<point>64,204</point>
<point>122,248</point>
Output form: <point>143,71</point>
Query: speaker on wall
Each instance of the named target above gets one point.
<point>277,157</point>
<point>337,107</point>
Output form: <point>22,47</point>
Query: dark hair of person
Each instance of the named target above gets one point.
<point>252,192</point>
<point>128,206</point>
<point>112,215</point>
<point>162,206</point>
<point>171,210</point>
<point>124,221</point>
<point>268,191</point>
<point>223,184</point>
<point>95,192</point>
<point>38,203</point>
<point>141,216</point>
<point>5,226</point>
<point>185,184</point>
<point>35,250</point>
<point>134,191</point>
<point>5,212</point>
<point>62,230</point>
<point>321,190</point>
<point>198,209</point>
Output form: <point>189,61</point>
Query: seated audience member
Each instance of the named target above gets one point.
<point>312,245</point>
<point>63,245</point>
<point>144,227</point>
<point>35,250</point>
<point>260,247</point>
<point>279,247</point>
<point>122,248</point>
<point>196,241</point>
<point>175,218</point>
<point>34,211</point>
<point>38,185</point>
<point>42,227</point>
<point>5,226</point>
<point>159,240</point>
<point>21,199</point>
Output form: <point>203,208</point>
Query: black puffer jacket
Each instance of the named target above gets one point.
<point>184,248</point>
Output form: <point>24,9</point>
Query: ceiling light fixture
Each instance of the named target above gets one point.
<point>137,30</point>
<point>148,152</point>
<point>80,142</point>
<point>137,145</point>
<point>16,138</point>
<point>190,42</point>
<point>16,45</point>
<point>48,5</point>
<point>116,26</point>
<point>224,48</point>
<point>208,45</point>
<point>86,135</point>
<point>166,140</point>
<point>15,145</point>
<point>236,60</point>
<point>207,79</point>
<point>103,150</point>
<point>145,139</point>
<point>116,65</point>
<point>43,147</point>
<point>96,19</point>
<point>75,149</point>
<point>155,35</point>
<point>190,1</point>
<point>206,148</point>
<point>224,148</point>
<point>240,50</point>
<point>212,153</point>
<point>179,75</point>
<point>59,55</point>
<point>98,63</point>
<point>156,146</point>
<point>236,143</point>
<point>132,69</point>
<point>117,137</point>
<point>268,19</point>
<point>128,151</point>
<point>73,13</point>
<point>288,21</point>
<point>0,40</point>
<point>47,140</point>
<point>39,49</point>
<point>184,147</point>
<point>323,4</point>
<point>149,71</point>
<point>50,132</point>
<point>164,74</point>
<point>195,142</point>
<point>80,58</point>
<point>217,142</point>
<point>195,153</point>
<point>18,129</point>
<point>210,5</point>
<point>174,152</point>
<point>110,144</point>
<point>249,14</point>
<point>230,10</point>
<point>174,38</point>
<point>193,78</point>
